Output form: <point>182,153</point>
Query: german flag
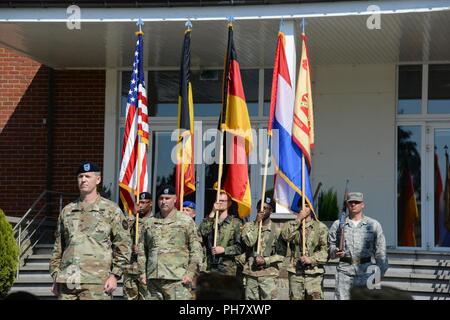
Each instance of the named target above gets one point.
<point>235,121</point>
<point>185,170</point>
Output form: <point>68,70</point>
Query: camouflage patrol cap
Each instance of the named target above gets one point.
<point>355,196</point>
<point>88,167</point>
<point>145,196</point>
<point>166,190</point>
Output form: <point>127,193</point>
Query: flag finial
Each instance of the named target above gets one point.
<point>281,23</point>
<point>230,20</point>
<point>303,24</point>
<point>188,24</point>
<point>140,23</point>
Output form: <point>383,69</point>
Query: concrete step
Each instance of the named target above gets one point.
<point>40,258</point>
<point>410,266</point>
<point>36,265</point>
<point>46,294</point>
<point>36,268</point>
<point>45,248</point>
<point>34,278</point>
<point>419,254</point>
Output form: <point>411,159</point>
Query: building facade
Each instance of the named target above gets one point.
<point>380,90</point>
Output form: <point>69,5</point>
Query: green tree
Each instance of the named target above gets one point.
<point>9,254</point>
<point>328,205</point>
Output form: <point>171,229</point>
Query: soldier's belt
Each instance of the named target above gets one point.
<point>356,261</point>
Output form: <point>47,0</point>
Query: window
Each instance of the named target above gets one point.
<point>268,73</point>
<point>439,89</point>
<point>409,90</point>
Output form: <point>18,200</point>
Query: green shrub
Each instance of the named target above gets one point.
<point>328,205</point>
<point>9,254</point>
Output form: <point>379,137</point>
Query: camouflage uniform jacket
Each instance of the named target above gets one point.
<point>133,268</point>
<point>170,247</point>
<point>132,222</point>
<point>316,245</point>
<point>91,243</point>
<point>229,237</point>
<point>366,240</point>
<point>273,248</point>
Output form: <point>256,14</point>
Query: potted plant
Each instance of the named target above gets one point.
<point>328,208</point>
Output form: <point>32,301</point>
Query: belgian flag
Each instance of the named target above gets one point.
<point>235,122</point>
<point>185,170</point>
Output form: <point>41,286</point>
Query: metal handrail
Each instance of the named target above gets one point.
<point>31,246</point>
<point>34,231</point>
<point>34,218</point>
<point>39,199</point>
<point>29,221</point>
<point>30,210</point>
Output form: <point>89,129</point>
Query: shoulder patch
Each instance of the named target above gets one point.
<point>125,224</point>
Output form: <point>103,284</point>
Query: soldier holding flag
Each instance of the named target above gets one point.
<point>133,287</point>
<point>306,269</point>
<point>262,268</point>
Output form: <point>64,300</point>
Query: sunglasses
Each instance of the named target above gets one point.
<point>354,202</point>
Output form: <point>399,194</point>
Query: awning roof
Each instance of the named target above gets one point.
<point>338,34</point>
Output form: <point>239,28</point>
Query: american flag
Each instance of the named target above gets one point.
<point>135,139</point>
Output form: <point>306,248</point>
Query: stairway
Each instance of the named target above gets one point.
<point>34,276</point>
<point>425,274</point>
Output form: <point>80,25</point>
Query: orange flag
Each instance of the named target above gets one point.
<point>409,211</point>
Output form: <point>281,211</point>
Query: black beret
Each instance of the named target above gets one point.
<point>88,167</point>
<point>267,200</point>
<point>145,196</point>
<point>166,190</point>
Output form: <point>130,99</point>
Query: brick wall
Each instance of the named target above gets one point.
<point>78,128</point>
<point>23,137</point>
<point>79,125</point>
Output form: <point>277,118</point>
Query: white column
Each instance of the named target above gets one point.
<point>110,174</point>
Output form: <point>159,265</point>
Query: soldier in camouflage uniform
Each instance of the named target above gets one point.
<point>189,209</point>
<point>92,244</point>
<point>363,239</point>
<point>133,287</point>
<point>222,257</point>
<point>170,252</point>
<point>261,270</point>
<point>306,271</point>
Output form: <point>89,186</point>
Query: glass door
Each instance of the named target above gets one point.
<point>439,219</point>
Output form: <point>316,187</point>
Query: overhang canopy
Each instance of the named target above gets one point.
<point>338,34</point>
